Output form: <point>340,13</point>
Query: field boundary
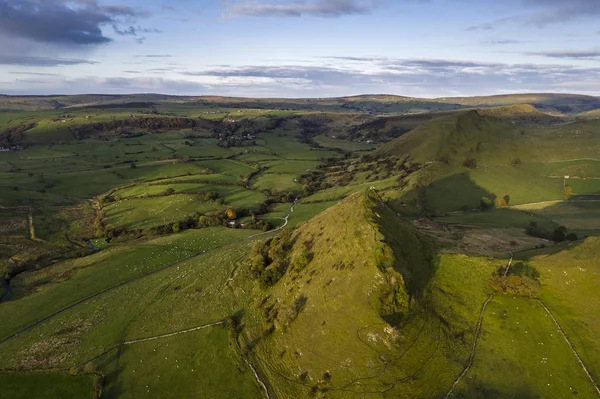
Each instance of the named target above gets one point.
<point>568,341</point>
<point>472,357</point>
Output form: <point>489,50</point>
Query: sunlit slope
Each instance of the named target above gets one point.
<point>376,312</point>
<point>474,154</point>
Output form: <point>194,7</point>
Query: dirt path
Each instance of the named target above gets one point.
<point>585,369</point>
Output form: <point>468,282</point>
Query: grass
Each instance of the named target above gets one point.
<point>102,322</point>
<point>573,215</point>
<point>282,182</point>
<point>182,366</point>
<point>569,285</point>
<point>579,168</point>
<point>346,145</point>
<point>46,386</point>
<point>80,278</point>
<point>522,355</point>
<point>281,144</point>
<point>145,213</point>
<point>499,217</point>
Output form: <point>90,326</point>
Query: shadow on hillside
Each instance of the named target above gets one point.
<point>113,387</point>
<point>456,201</point>
<point>450,193</point>
<point>478,390</point>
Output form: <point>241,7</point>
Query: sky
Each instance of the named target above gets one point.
<point>300,48</point>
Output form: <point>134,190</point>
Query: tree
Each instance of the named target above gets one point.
<point>169,191</point>
<point>176,228</point>
<point>231,214</point>
<point>211,195</point>
<point>506,199</point>
<point>568,190</point>
<point>485,203</point>
<point>559,234</point>
<point>470,163</point>
<point>133,165</point>
<point>571,237</point>
<point>502,203</point>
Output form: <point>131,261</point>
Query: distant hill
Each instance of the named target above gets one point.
<point>558,103</point>
<point>567,104</point>
<point>453,139</point>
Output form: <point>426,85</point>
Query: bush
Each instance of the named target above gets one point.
<point>270,276</point>
<point>559,234</point>
<point>169,191</point>
<point>302,261</point>
<point>571,237</point>
<point>470,163</point>
<point>485,203</point>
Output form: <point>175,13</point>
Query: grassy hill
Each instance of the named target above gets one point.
<point>473,154</point>
<point>548,102</point>
<point>367,316</point>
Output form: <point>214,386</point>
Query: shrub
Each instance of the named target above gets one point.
<point>568,190</point>
<point>231,214</point>
<point>571,237</point>
<point>485,203</point>
<point>169,191</point>
<point>516,161</point>
<point>559,234</point>
<point>470,163</point>
<point>270,276</point>
<point>302,261</point>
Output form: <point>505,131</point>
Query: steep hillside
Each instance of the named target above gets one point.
<point>362,312</point>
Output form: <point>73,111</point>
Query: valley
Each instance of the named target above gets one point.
<point>355,247</point>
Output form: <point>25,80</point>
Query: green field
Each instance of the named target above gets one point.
<point>174,247</point>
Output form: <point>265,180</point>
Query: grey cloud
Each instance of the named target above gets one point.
<point>541,13</point>
<point>40,61</point>
<point>501,42</point>
<point>61,22</point>
<point>318,8</point>
<point>425,77</point>
<point>133,31</point>
<point>555,11</point>
<point>34,74</point>
<point>154,56</point>
<point>32,81</point>
<point>578,55</point>
<point>335,76</point>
